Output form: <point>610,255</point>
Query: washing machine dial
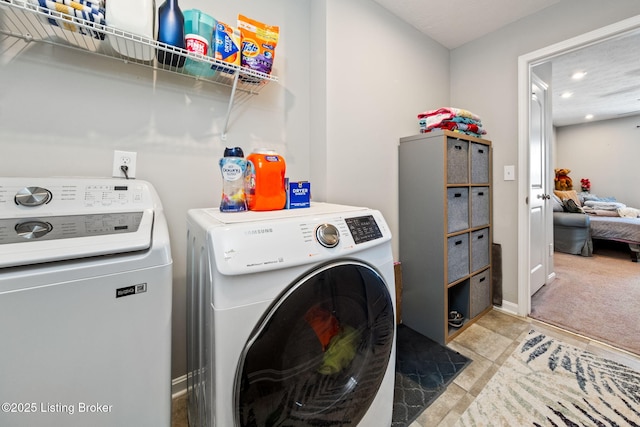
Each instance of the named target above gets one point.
<point>328,235</point>
<point>33,229</point>
<point>33,196</point>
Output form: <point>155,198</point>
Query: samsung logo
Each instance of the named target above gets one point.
<point>258,231</point>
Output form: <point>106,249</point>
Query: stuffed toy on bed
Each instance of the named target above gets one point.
<point>562,180</point>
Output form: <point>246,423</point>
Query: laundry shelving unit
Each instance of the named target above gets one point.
<point>445,231</point>
<point>26,20</point>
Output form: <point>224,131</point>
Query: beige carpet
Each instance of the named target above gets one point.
<point>546,382</point>
<point>598,297</point>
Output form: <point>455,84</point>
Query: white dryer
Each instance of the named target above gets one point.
<point>85,303</point>
<point>290,317</point>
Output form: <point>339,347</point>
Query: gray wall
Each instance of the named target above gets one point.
<point>606,152</point>
<point>378,74</point>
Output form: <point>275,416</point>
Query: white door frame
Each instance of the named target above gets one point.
<point>525,63</point>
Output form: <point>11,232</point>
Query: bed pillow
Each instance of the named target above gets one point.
<point>589,197</point>
<point>570,194</point>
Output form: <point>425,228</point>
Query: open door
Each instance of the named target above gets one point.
<point>539,137</point>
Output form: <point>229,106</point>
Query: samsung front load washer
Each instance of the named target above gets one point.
<point>290,318</point>
<point>85,304</point>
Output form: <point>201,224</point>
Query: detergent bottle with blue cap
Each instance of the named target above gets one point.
<point>233,167</point>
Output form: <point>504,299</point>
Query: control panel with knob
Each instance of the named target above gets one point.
<point>33,229</point>
<point>328,235</point>
<point>32,196</point>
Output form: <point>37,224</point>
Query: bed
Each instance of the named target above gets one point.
<point>625,230</point>
<point>605,219</point>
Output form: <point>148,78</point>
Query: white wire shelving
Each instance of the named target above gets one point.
<point>26,20</point>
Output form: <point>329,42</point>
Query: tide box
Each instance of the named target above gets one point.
<point>298,194</point>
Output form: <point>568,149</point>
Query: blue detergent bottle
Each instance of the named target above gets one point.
<point>233,167</point>
<point>171,32</point>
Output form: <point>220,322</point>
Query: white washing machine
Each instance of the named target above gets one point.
<point>290,318</point>
<point>85,304</point>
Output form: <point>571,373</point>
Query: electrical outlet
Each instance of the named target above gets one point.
<point>126,159</point>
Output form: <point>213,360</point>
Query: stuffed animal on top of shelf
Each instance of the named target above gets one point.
<point>562,180</point>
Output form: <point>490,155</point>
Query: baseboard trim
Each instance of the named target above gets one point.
<point>507,307</point>
<point>179,386</point>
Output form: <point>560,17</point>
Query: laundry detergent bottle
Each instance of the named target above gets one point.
<point>266,190</point>
<point>233,167</point>
<point>171,32</point>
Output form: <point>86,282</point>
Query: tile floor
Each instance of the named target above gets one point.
<point>488,343</point>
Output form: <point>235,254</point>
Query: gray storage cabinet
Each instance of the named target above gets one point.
<point>444,230</point>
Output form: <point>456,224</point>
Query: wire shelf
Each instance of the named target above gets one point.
<point>26,20</point>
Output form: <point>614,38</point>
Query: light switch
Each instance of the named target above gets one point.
<point>509,173</point>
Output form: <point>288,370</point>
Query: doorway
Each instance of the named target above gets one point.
<point>525,65</point>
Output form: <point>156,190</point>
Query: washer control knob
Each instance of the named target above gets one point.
<point>328,235</point>
<point>33,196</point>
<point>33,229</point>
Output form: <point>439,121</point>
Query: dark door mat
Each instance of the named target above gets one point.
<point>424,369</point>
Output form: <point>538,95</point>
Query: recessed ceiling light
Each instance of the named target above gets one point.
<point>578,75</point>
<point>589,116</point>
<point>566,94</point>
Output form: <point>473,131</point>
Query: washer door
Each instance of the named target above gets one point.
<point>320,353</point>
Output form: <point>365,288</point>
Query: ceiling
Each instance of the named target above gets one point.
<point>453,23</point>
<point>610,89</point>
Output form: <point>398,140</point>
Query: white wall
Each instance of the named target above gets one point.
<point>380,73</point>
<point>484,80</point>
<point>606,152</point>
<point>63,113</point>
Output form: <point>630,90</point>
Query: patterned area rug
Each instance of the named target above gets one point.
<point>546,382</point>
<point>424,368</point>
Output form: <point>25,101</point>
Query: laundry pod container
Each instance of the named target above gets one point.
<point>198,33</point>
<point>266,185</point>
